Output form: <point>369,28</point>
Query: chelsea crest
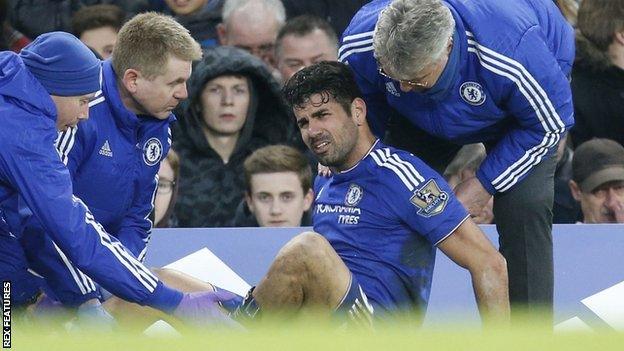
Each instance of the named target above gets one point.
<point>354,195</point>
<point>152,151</point>
<point>472,93</point>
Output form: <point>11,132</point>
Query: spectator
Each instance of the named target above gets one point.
<point>565,208</point>
<point>252,25</point>
<point>234,108</point>
<point>598,180</point>
<point>200,17</point>
<point>10,38</point>
<point>97,27</point>
<point>303,41</point>
<point>278,189</point>
<point>463,167</point>
<point>569,9</point>
<point>598,74</point>
<point>337,13</point>
<point>167,191</point>
<point>478,73</point>
<point>33,18</point>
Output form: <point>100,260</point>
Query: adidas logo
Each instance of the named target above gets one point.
<point>391,89</point>
<point>105,150</point>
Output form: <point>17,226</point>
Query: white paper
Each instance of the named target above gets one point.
<point>609,305</point>
<point>206,266</point>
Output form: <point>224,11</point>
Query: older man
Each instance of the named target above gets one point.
<point>252,25</point>
<point>598,180</point>
<point>494,72</point>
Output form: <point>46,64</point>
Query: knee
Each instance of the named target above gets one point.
<point>307,246</point>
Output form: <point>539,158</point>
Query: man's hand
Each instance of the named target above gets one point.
<point>201,308</point>
<point>472,195</point>
<point>617,207</point>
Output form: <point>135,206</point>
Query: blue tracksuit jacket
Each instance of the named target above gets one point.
<point>512,88</point>
<point>35,183</point>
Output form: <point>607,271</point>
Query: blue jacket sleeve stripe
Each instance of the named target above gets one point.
<point>530,88</point>
<point>358,46</point>
<point>134,267</point>
<point>84,283</point>
<point>535,95</point>
<point>65,142</point>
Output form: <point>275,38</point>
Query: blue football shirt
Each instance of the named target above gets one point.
<point>384,218</point>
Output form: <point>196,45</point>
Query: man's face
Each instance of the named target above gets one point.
<point>277,199</point>
<point>255,35</point>
<point>328,130</point>
<point>71,109</point>
<point>225,101</point>
<point>164,193</point>
<point>159,95</point>
<point>605,204</point>
<point>185,7</point>
<point>297,52</point>
<point>427,77</point>
<point>102,40</point>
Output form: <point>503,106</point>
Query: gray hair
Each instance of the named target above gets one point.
<point>412,34</point>
<point>275,6</point>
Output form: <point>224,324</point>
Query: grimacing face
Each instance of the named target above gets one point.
<point>277,199</point>
<point>225,102</point>
<point>328,130</point>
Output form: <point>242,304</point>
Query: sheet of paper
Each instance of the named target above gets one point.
<point>609,305</point>
<point>206,266</point>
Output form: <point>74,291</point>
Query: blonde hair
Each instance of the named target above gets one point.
<point>146,41</point>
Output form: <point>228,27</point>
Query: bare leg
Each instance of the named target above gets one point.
<point>141,317</point>
<point>307,272</point>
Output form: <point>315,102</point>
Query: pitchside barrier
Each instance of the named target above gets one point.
<point>588,259</point>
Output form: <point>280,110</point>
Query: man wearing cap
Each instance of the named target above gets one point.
<point>46,88</point>
<point>598,180</point>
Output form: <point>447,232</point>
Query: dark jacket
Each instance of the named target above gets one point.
<point>598,94</point>
<point>203,24</point>
<point>210,190</point>
<point>35,17</point>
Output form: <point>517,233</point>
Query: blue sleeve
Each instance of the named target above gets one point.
<point>419,196</point>
<point>32,166</point>
<point>356,51</point>
<point>539,99</point>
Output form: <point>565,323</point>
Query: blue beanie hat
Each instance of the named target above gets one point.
<point>63,64</point>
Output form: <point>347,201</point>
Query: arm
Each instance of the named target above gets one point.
<point>470,249</point>
<point>539,99</point>
<point>33,167</point>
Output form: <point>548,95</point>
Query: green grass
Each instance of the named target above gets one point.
<point>313,336</point>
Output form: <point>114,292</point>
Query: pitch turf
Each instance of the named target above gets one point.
<point>320,337</point>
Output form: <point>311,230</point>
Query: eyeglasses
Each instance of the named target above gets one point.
<point>411,83</point>
<point>165,186</point>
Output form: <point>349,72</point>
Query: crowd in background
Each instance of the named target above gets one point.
<point>234,116</point>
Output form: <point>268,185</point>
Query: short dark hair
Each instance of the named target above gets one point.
<point>330,79</point>
<point>303,25</point>
<point>278,158</point>
<point>97,16</point>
